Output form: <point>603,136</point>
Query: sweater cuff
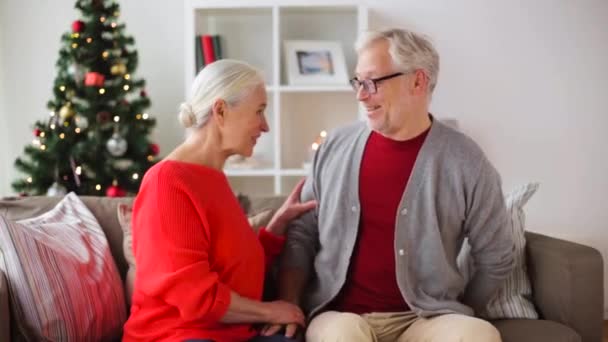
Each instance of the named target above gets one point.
<point>273,244</point>
<point>221,303</point>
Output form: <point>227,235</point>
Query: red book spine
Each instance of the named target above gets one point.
<point>208,51</point>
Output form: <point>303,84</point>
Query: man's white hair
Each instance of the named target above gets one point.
<point>409,51</point>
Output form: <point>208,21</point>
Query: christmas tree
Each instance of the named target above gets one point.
<point>96,139</point>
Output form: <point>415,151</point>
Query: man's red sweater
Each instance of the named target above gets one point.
<point>193,246</point>
<point>371,285</point>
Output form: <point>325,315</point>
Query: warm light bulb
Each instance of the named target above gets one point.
<point>315,146</point>
<point>78,170</point>
<point>52,126</point>
<point>43,147</point>
<point>97,187</point>
<point>126,87</point>
<point>116,118</point>
<point>77,130</point>
<point>102,19</point>
<point>127,76</point>
<point>135,176</point>
<point>323,134</point>
<point>62,136</point>
<point>42,134</point>
<point>74,45</point>
<point>138,116</point>
<point>150,158</point>
<point>113,25</point>
<point>29,179</point>
<point>51,113</point>
<point>75,35</point>
<point>89,40</point>
<point>102,91</point>
<point>62,88</point>
<point>145,116</point>
<point>105,54</point>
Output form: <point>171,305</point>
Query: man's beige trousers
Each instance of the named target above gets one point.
<point>333,326</point>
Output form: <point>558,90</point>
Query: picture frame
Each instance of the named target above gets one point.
<point>315,62</point>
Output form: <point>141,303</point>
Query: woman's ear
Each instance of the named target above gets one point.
<point>218,110</point>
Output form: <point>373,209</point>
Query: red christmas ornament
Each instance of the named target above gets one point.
<point>77,26</point>
<point>103,117</point>
<point>94,79</point>
<point>143,93</point>
<point>37,132</point>
<point>154,149</point>
<point>115,191</point>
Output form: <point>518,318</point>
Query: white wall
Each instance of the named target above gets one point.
<point>4,166</point>
<point>527,80</point>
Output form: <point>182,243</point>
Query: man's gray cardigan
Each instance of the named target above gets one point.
<point>453,192</point>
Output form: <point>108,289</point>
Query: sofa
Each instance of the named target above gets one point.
<point>567,278</point>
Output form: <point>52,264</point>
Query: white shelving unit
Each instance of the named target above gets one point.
<point>254,31</point>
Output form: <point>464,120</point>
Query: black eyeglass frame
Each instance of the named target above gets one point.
<point>356,83</point>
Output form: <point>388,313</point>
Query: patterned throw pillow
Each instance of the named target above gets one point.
<point>63,282</point>
<point>514,299</point>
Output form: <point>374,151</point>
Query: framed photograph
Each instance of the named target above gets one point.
<point>312,62</point>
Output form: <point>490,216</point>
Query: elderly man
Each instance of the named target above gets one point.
<point>376,261</point>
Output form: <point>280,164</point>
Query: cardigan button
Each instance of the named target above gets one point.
<point>401,252</point>
<point>404,211</point>
<point>354,209</point>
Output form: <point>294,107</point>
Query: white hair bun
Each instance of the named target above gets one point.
<point>186,115</point>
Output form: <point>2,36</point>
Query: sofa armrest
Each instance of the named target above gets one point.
<point>567,283</point>
<point>5,314</point>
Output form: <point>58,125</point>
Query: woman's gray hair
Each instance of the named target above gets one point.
<point>226,79</point>
<point>409,51</point>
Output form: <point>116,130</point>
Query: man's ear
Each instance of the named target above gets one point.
<point>218,110</point>
<point>421,81</point>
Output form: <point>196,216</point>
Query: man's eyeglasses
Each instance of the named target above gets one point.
<point>370,85</point>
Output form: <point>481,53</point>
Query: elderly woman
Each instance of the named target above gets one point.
<point>200,266</point>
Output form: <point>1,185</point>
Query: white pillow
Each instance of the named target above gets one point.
<point>63,282</point>
<point>514,299</point>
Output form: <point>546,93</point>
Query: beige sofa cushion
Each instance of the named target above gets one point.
<point>125,212</point>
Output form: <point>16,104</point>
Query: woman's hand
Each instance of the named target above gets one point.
<point>291,209</point>
<point>271,329</point>
<point>282,312</point>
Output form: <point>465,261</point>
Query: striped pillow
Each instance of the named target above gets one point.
<point>514,299</point>
<point>63,282</point>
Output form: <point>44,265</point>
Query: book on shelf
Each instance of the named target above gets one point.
<point>198,50</point>
<point>217,47</point>
<point>208,49</point>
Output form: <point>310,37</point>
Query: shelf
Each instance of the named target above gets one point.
<point>250,172</point>
<point>294,172</point>
<point>313,89</point>
<point>255,32</point>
